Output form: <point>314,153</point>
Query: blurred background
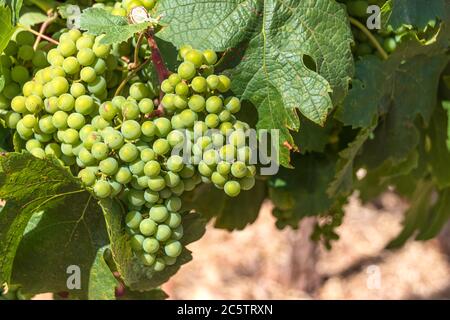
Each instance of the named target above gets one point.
<point>262,262</point>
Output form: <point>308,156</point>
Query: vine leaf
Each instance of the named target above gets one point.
<point>15,6</point>
<point>6,27</point>
<point>135,275</point>
<point>102,283</point>
<point>417,13</point>
<point>298,54</point>
<point>229,213</point>
<point>115,28</point>
<point>154,294</point>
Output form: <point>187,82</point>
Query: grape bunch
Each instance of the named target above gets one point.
<point>17,64</point>
<point>122,8</point>
<point>125,147</point>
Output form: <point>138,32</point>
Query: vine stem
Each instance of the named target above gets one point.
<point>136,50</point>
<point>51,17</point>
<point>372,39</point>
<point>43,36</point>
<point>129,77</point>
<point>157,59</point>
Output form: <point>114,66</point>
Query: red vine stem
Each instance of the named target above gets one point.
<point>52,17</point>
<point>161,69</point>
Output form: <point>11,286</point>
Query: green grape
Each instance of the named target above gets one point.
<point>77,90</point>
<point>213,82</point>
<point>152,169</point>
<point>176,122</point>
<point>11,90</point>
<point>128,153</point>
<point>148,227</point>
<point>84,105</point>
<point>237,138</point>
<point>147,259</point>
<point>123,175</point>
<point>71,136</point>
<point>219,179</point>
<point>130,110</point>
<point>188,118</point>
<point>67,48</point>
<point>156,184</point>
<point>133,219</point>
<point>172,179</point>
<point>100,66</point>
<point>146,106</point>
<point>239,169</point>
<point>232,188</point>
<point>102,189</point>
<point>139,91</point>
<point>86,57</point>
<point>87,177</point>
<point>159,265</point>
<point>183,50</point>
<point>224,84</point>
<point>199,84</point>
<point>20,74</point>
<point>98,86</point>
<point>204,169</point>
<point>389,45</point>
<point>175,163</point>
<point>227,153</point>
<point>137,168</point>
<point>131,130</point>
<point>211,157</point>
<point>136,197</point>
<point>150,245</point>
<point>114,140</point>
<point>151,196</point>
<point>187,172</point>
<point>76,121</point>
<point>187,70</point>
<point>59,120</point>
<point>214,104</point>
<point>136,242</point>
<point>12,119</point>
<point>169,261</point>
<point>182,89</point>
<point>40,59</point>
<point>74,34</point>
<point>42,137</point>
<point>195,57</point>
<point>67,149</point>
<point>218,140</point>
<point>180,102</point>
<point>38,153</point>
<point>173,249</point>
<point>46,125</point>
<point>166,87</point>
<point>168,102</point>
<point>161,146</point>
<point>247,183</point>
<point>244,154</point>
<point>31,144</point>
<point>210,57</point>
<point>101,50</point>
<point>357,8</point>
<point>108,111</point>
<point>178,190</point>
<point>148,129</point>
<point>233,105</point>
<point>212,121</point>
<point>91,139</point>
<point>178,232</point>
<point>163,127</point>
<point>109,166</point>
<point>163,232</point>
<point>59,86</point>
<point>11,49</point>
<point>25,38</point>
<point>174,219</point>
<point>165,193</point>
<point>99,123</point>
<point>26,53</point>
<point>88,74</point>
<point>197,103</point>
<point>34,104</point>
<point>18,104</point>
<point>142,182</point>
<point>173,204</point>
<point>175,138</point>
<point>86,158</point>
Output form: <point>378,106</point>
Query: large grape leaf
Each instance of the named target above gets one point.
<point>115,28</point>
<point>6,27</point>
<point>417,12</point>
<point>400,89</point>
<point>228,213</point>
<point>135,275</point>
<point>58,236</point>
<point>275,73</point>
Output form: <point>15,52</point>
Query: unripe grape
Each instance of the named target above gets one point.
<point>210,57</point>
<point>26,53</point>
<point>180,102</point>
<point>147,259</point>
<point>187,70</point>
<point>67,48</point>
<point>38,153</point>
<point>247,183</point>
<point>214,104</point>
<point>150,245</point>
<point>204,169</point>
<point>173,249</point>
<point>157,183</point>
<point>224,84</point>
<point>195,57</point>
<point>212,120</point>
<point>12,119</point>
<point>151,197</point>
<point>59,85</point>
<point>131,130</point>
<point>139,91</point>
<point>233,104</point>
<point>130,110</point>
<point>188,118</point>
<point>174,79</point>
<point>161,147</point>
<point>31,144</point>
<point>77,90</point>
<point>87,177</point>
<point>84,105</point>
<point>199,84</point>
<point>166,87</point>
<point>232,188</point>
<point>133,219</point>
<point>109,166</point>
<point>74,34</point>
<point>152,169</point>
<point>172,179</point>
<point>25,38</point>
<point>163,232</point>
<point>88,74</point>
<point>183,50</point>
<point>159,265</point>
<point>123,175</point>
<point>114,140</point>
<point>102,189</point>
<point>137,168</point>
<point>146,106</point>
<point>136,242</point>
<point>168,102</point>
<point>100,66</point>
<point>18,104</point>
<point>20,74</point>
<point>71,65</point>
<point>71,136</point>
<point>173,204</point>
<point>59,119</point>
<point>213,82</point>
<point>34,104</point>
<point>11,90</point>
<point>182,89</point>
<point>86,57</point>
<point>128,153</point>
<point>76,121</point>
<point>197,103</point>
<point>101,50</point>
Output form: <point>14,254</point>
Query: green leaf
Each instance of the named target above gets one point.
<point>229,213</point>
<point>439,154</point>
<point>6,27</point>
<point>15,6</point>
<point>116,29</point>
<point>417,12</point>
<point>28,185</point>
<point>416,215</point>
<point>343,180</point>
<point>440,215</point>
<point>287,39</point>
<point>102,283</point>
<point>32,17</point>
<point>135,275</point>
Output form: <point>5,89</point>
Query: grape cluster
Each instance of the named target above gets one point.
<point>17,64</point>
<point>122,8</point>
<point>122,147</point>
